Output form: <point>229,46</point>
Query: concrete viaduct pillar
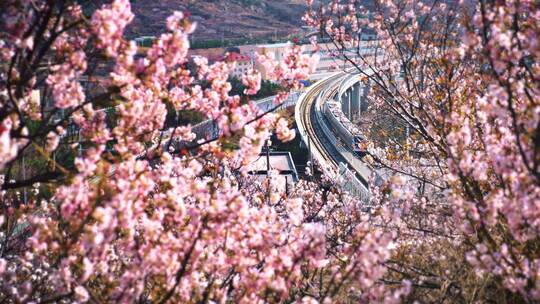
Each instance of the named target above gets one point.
<point>355,103</point>
<point>354,100</point>
<point>346,103</point>
<point>364,101</point>
<point>351,104</point>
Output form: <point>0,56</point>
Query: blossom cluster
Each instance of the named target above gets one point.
<point>118,214</point>
<point>453,120</point>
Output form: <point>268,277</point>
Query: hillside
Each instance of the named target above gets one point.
<point>222,19</point>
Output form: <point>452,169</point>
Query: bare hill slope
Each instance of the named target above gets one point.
<point>222,19</point>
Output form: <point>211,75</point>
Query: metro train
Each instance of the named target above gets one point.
<point>347,132</point>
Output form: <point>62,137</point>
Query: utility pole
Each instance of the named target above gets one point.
<point>267,159</point>
<point>268,169</point>
<point>286,185</point>
<point>310,158</point>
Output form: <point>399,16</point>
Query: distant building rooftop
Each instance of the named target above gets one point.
<point>238,57</point>
<point>275,45</point>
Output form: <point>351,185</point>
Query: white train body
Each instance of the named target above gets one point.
<point>346,131</point>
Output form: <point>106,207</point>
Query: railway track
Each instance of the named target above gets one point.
<point>312,124</point>
<point>312,127</point>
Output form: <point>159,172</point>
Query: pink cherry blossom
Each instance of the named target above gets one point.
<point>109,22</point>
<point>252,81</point>
<point>283,131</point>
<point>106,199</point>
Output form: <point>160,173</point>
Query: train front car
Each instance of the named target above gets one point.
<point>360,145</point>
<point>347,133</point>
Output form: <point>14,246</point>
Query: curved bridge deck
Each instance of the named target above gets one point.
<point>314,128</point>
